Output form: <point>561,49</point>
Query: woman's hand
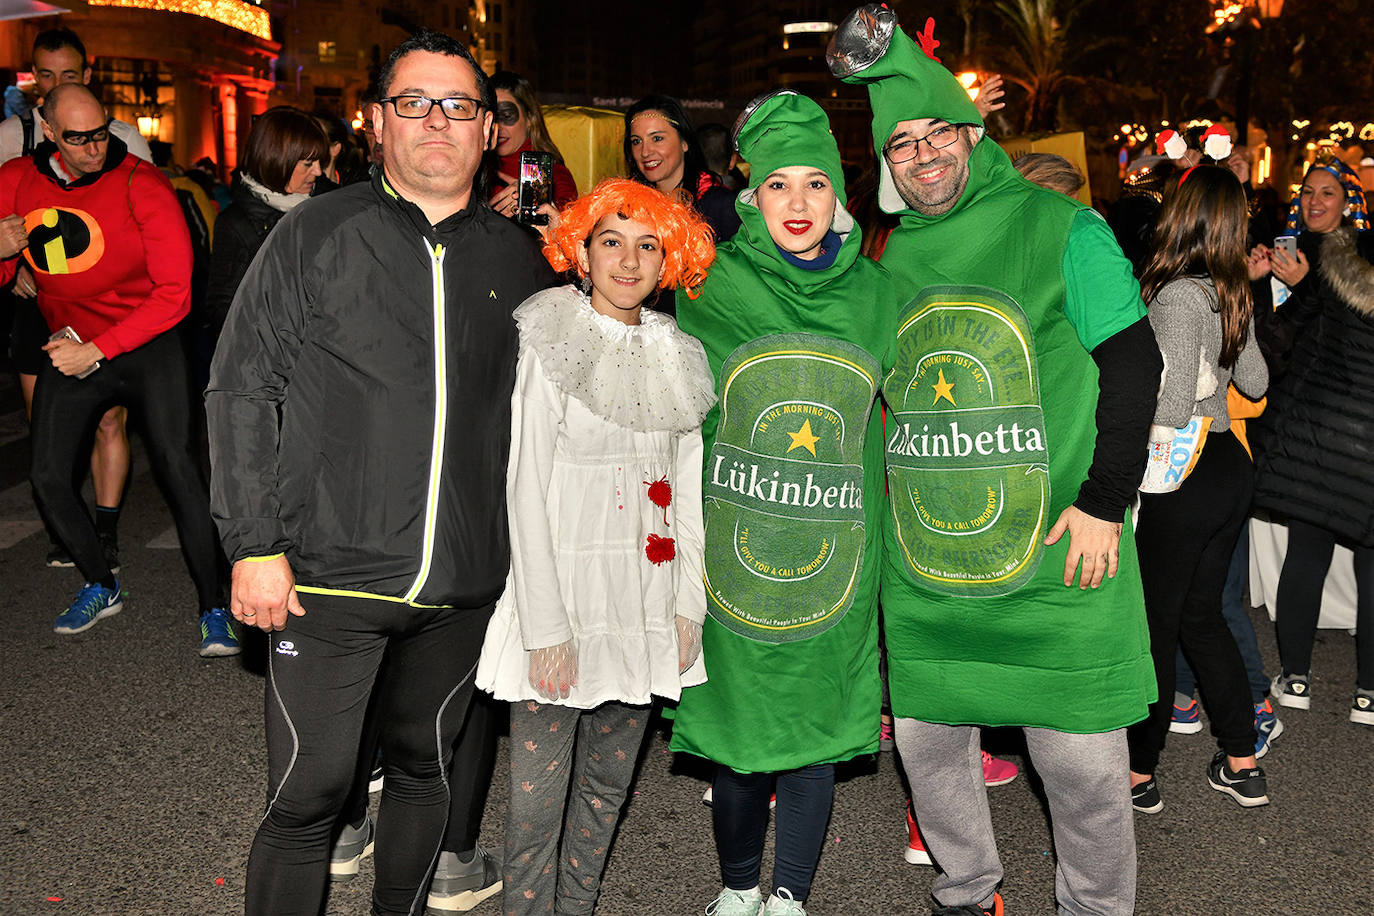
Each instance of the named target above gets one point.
<point>553,670</point>
<point>506,200</point>
<point>1289,271</point>
<point>688,642</point>
<point>1257,263</point>
<point>554,222</point>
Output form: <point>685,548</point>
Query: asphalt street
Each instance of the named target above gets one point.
<point>133,774</point>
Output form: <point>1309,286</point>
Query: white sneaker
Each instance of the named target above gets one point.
<point>736,903</point>
<point>779,905</point>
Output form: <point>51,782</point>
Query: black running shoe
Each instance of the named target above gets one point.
<point>1248,787</point>
<point>1145,797</point>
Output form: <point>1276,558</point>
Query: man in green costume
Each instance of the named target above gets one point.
<point>1019,408</point>
<point>797,335</point>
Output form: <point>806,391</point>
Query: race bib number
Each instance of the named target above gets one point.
<point>967,461</point>
<point>784,486</point>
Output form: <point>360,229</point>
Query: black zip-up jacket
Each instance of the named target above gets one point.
<point>359,400</point>
<point>239,233</point>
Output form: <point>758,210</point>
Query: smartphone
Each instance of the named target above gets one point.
<point>68,333</point>
<point>536,187</point>
<point>1288,244</point>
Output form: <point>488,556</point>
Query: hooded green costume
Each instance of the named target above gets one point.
<point>991,428</point>
<point>793,479</point>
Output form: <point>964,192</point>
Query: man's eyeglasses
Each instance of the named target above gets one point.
<point>457,108</point>
<point>82,137</point>
<point>507,114</point>
<point>905,150</point>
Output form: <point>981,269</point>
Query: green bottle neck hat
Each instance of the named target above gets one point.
<point>778,130</point>
<point>905,82</point>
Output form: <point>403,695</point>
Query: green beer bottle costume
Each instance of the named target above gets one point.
<point>993,396</point>
<point>793,481</point>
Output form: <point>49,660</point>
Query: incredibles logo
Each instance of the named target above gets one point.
<point>63,241</point>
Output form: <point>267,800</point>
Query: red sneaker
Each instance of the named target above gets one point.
<point>916,853</point>
<point>998,772</point>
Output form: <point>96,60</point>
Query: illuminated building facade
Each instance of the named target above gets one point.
<point>191,73</point>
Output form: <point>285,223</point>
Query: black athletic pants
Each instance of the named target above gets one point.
<point>322,669</point>
<point>152,382</point>
<point>1300,601</point>
<point>1185,540</point>
<point>469,773</point>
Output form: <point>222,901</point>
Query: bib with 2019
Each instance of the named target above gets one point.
<point>784,486</point>
<point>967,460</point>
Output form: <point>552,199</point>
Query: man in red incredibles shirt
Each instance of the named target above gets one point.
<point>104,236</point>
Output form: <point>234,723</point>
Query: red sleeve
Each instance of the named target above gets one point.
<point>9,185</point>
<point>564,186</point>
<point>167,254</point>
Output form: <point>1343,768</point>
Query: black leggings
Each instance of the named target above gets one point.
<point>469,773</point>
<point>1299,604</point>
<point>322,669</point>
<point>739,810</point>
<point>1185,540</point>
<point>152,382</point>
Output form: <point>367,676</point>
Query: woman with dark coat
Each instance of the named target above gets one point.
<point>280,164</point>
<point>1315,468</point>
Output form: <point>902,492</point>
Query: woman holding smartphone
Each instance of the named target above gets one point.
<point>520,128</point>
<point>1315,464</point>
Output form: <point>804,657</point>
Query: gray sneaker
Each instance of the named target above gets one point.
<point>459,886</point>
<point>353,844</point>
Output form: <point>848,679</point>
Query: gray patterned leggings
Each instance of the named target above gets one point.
<point>556,840</point>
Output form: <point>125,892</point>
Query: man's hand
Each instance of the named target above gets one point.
<point>990,96</point>
<point>24,285</point>
<point>70,357</point>
<point>263,592</point>
<point>14,238</point>
<point>1091,540</point>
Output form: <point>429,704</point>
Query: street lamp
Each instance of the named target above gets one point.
<point>1236,21</point>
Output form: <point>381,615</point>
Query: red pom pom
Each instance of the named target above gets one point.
<point>661,495</point>
<point>659,550</point>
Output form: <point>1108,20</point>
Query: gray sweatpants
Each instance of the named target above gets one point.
<point>556,841</point>
<point>1085,778</point>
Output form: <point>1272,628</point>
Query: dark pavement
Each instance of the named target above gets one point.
<point>134,774</point>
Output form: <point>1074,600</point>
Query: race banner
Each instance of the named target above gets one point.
<point>967,461</point>
<point>784,486</point>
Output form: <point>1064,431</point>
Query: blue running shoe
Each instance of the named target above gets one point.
<point>1186,719</point>
<point>1267,727</point>
<point>92,603</point>
<point>218,637</point>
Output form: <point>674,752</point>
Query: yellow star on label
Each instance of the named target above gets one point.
<point>943,389</point>
<point>803,438</point>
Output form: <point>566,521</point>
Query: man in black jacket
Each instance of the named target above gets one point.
<point>359,409</point>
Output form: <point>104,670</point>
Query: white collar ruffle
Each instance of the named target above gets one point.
<point>645,377</point>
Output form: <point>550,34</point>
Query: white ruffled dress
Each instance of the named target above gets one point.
<point>605,465</point>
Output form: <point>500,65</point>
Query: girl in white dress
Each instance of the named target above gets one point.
<point>604,603</point>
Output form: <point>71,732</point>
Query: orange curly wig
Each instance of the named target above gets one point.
<point>688,245</point>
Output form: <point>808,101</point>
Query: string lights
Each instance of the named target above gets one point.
<point>234,13</point>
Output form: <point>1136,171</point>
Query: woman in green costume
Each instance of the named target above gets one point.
<point>793,321</point>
